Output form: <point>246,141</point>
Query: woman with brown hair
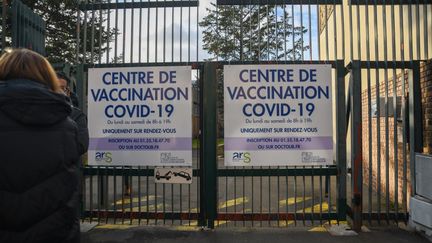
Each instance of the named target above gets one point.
<point>39,153</point>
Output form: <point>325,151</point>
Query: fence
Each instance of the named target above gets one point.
<point>368,43</point>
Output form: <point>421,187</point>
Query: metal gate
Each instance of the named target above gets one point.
<point>367,48</point>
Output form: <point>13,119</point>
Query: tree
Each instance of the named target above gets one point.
<point>61,30</point>
<point>253,32</point>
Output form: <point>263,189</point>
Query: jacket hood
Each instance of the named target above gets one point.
<point>32,103</point>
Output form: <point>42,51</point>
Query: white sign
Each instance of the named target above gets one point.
<point>278,115</point>
<point>140,116</point>
<point>177,175</point>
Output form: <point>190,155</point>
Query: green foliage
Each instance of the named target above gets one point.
<point>252,33</point>
<point>61,30</point>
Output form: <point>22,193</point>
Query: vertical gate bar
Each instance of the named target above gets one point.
<point>132,33</point>
<point>268,32</point>
<point>410,32</point>
<point>91,198</point>
<point>395,119</point>
<point>235,198</point>
<point>244,196</point>
<point>181,202</point>
<point>284,27</point>
<point>148,198</point>
<point>130,193</point>
<point>99,192</point>
<point>100,34</point>
<point>108,31</point>
<point>386,112</point>
<point>287,198</point>
<point>326,38</point>
<point>156,33</point>
<point>293,31</point>
<point>418,57</point>
<point>335,42</point>
<point>4,17</point>
<point>124,36</point>
<point>295,198</point>
<point>123,192</point>
<point>415,118</point>
<point>329,210</point>
<point>226,196</point>
<point>351,28</point>
<point>356,145</point>
<point>343,31</point>
<point>115,193</point>
<point>209,145</point>
<point>172,203</point>
<point>426,32</point>
<point>341,141</point>
<point>181,33</point>
<point>83,194</point>
<point>116,32</point>
<point>320,197</point>
<point>148,35</point>
<point>369,113</point>
<point>172,35</point>
<point>304,196</point>
<point>197,34</point>
<point>201,199</point>
<point>310,32</point>
<point>313,195</point>
<point>269,197</point>
<point>139,192</point>
<point>301,26</point>
<point>278,198</point>
<point>164,34</point>
<point>189,34</point>
<point>156,202</point>
<point>252,199</point>
<point>377,100</point>
<point>261,199</point>
<point>140,36</point>
<point>163,203</point>
<point>107,195</point>
<point>317,9</point>
<point>84,51</point>
<point>92,36</point>
<point>403,114</point>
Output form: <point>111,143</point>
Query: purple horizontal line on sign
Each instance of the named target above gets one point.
<point>279,143</point>
<point>140,144</point>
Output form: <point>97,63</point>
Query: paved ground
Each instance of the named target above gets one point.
<point>114,234</point>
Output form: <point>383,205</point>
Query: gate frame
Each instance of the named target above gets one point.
<point>210,170</point>
<point>355,109</point>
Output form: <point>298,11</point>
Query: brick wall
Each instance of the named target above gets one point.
<point>379,167</point>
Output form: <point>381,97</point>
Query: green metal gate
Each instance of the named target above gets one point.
<point>21,27</point>
<point>339,33</point>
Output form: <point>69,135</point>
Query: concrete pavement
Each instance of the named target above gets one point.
<point>159,234</point>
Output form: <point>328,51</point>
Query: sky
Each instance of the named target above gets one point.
<point>157,27</point>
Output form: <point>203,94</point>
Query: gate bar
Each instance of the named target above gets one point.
<point>209,169</point>
<point>274,2</point>
<point>356,146</point>
<point>136,5</point>
<point>341,141</point>
<point>415,118</point>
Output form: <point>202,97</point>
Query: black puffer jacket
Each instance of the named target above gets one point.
<point>39,171</point>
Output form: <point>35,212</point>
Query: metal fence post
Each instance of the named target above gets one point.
<point>415,118</point>
<point>356,145</point>
<point>80,87</point>
<point>208,147</point>
<point>341,140</point>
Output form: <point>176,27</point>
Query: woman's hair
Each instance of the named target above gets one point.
<point>26,64</point>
